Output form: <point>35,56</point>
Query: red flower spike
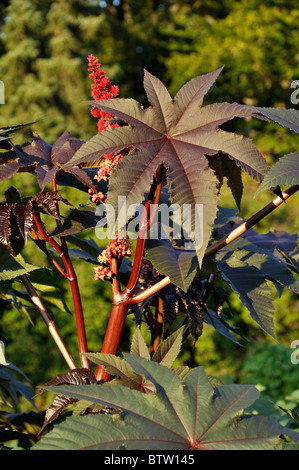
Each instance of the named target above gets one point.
<point>102,89</point>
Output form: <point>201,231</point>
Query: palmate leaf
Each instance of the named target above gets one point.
<point>182,414</point>
<point>181,133</point>
<point>47,161</point>
<point>118,367</point>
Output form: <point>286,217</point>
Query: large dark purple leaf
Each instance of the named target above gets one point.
<point>47,160</point>
<point>72,377</point>
<point>7,170</point>
<point>79,219</point>
<point>181,133</point>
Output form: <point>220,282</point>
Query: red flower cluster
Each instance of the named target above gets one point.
<point>119,248</point>
<point>102,89</point>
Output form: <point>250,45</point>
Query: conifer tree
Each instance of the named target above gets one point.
<point>44,64</point>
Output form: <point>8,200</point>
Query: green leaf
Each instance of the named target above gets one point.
<point>138,345</point>
<point>11,129</point>
<point>179,415</point>
<point>12,267</point>
<point>167,351</point>
<point>117,366</point>
<point>180,133</point>
<point>284,172</point>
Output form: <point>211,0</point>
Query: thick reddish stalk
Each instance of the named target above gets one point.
<point>120,299</point>
<point>112,336</point>
<point>72,278</point>
<point>143,227</point>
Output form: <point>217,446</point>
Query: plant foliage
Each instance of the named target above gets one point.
<point>180,411</point>
<point>180,133</point>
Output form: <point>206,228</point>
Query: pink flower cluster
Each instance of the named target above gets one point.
<point>119,248</point>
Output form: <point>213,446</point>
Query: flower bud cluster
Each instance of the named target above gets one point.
<point>118,248</point>
<point>148,273</point>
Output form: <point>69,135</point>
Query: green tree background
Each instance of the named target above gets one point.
<point>44,46</point>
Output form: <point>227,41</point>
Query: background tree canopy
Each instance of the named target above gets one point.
<point>44,46</point>
<point>45,43</point>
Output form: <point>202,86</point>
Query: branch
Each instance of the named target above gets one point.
<point>71,277</point>
<point>48,321</point>
<point>158,325</point>
<point>147,219</point>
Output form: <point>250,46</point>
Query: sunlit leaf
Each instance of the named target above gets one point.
<point>45,160</point>
<point>285,117</point>
<point>284,172</point>
<point>180,415</point>
<point>180,133</point>
<point>12,267</point>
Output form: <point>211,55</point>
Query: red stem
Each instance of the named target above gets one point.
<point>72,278</point>
<point>112,335</point>
<point>120,300</point>
<point>143,227</point>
